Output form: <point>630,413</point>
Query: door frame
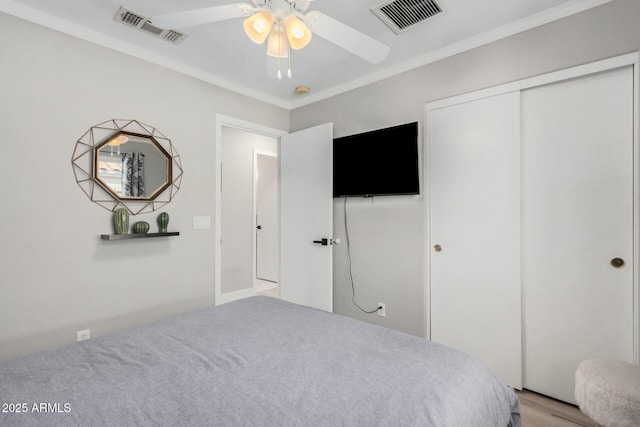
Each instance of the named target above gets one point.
<point>256,153</point>
<point>631,59</point>
<point>227,121</point>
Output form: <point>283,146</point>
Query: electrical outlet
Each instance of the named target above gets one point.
<point>382,309</point>
<point>85,334</point>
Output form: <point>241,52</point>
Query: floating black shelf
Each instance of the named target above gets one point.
<point>136,235</point>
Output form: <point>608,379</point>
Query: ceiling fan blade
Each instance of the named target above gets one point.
<point>347,37</point>
<point>205,15</point>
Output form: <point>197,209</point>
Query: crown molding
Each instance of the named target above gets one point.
<point>46,20</point>
<point>567,9</point>
<point>33,15</point>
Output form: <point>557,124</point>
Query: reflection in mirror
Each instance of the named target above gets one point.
<point>132,166</point>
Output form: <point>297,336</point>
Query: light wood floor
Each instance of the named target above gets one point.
<point>269,289</point>
<point>541,411</point>
<point>273,292</point>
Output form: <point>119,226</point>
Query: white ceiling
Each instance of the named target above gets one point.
<point>222,54</point>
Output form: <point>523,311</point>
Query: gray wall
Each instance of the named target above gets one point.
<point>56,275</point>
<point>387,236</point>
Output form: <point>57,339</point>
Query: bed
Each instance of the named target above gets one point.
<point>259,361</point>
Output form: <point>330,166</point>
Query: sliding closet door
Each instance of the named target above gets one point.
<point>473,164</point>
<point>577,217</point>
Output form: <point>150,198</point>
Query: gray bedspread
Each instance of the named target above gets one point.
<point>254,362</point>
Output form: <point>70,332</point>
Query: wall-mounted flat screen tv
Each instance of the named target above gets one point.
<point>382,162</point>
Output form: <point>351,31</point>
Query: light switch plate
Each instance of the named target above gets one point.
<point>201,222</point>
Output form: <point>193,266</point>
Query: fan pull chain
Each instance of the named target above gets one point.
<point>289,57</point>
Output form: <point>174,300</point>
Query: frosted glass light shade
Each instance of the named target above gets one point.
<point>298,34</point>
<point>258,25</point>
<point>277,46</point>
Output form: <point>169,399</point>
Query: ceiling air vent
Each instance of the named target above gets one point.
<point>401,15</point>
<point>143,23</point>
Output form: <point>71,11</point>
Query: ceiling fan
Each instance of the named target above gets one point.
<point>287,24</point>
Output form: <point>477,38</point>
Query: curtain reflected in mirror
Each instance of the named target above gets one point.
<point>133,174</point>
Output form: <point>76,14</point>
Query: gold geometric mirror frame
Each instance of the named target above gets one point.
<point>85,157</point>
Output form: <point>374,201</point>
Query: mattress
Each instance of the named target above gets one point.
<point>259,361</point>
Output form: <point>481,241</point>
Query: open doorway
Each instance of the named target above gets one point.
<point>267,230</point>
<point>305,216</point>
<point>247,210</point>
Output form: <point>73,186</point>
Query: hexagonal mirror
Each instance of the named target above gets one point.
<point>126,163</point>
<point>132,166</point>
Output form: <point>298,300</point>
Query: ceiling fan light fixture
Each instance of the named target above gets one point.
<point>297,32</point>
<point>277,46</point>
<point>258,26</point>
<point>120,139</point>
<point>117,142</point>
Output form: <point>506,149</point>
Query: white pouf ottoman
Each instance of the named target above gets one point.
<point>609,392</point>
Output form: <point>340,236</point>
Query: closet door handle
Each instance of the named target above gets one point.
<point>617,262</point>
<point>437,248</point>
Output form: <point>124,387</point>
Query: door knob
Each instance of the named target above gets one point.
<point>259,227</point>
<point>617,262</point>
<point>437,248</point>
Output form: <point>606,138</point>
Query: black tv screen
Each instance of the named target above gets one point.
<point>382,162</point>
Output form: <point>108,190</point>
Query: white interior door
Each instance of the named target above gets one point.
<point>266,211</point>
<point>577,178</point>
<point>306,215</point>
<point>473,163</point>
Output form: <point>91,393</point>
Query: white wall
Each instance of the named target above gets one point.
<point>237,205</point>
<point>56,275</point>
<point>388,264</point>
